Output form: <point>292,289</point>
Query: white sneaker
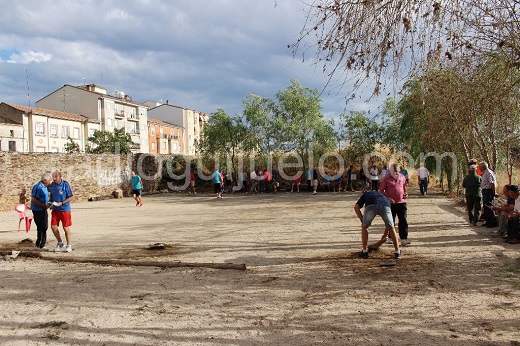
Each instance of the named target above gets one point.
<point>59,246</point>
<point>68,248</point>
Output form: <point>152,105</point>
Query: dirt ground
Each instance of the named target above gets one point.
<point>303,284</point>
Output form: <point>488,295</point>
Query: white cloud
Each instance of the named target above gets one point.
<point>28,57</point>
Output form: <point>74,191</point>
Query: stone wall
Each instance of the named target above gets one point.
<point>91,176</point>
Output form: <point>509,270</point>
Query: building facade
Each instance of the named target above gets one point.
<point>112,111</point>
<point>45,130</point>
<point>192,121</point>
<point>165,138</point>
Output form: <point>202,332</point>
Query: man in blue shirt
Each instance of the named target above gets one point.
<point>61,196</point>
<point>39,206</point>
<point>375,203</point>
<point>217,183</point>
<point>137,187</point>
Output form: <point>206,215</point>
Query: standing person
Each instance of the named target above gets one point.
<point>314,182</point>
<point>253,181</point>
<point>244,181</point>
<point>192,182</point>
<point>393,186</point>
<point>217,183</point>
<point>384,171</point>
<point>404,172</point>
<point>296,182</point>
<point>267,180</point>
<point>39,206</point>
<point>308,177</point>
<point>423,175</point>
<point>375,204</point>
<point>374,177</point>
<point>137,188</point>
<point>274,178</point>
<point>363,179</point>
<point>229,182</point>
<point>473,185</point>
<point>489,184</point>
<point>350,173</point>
<point>61,196</point>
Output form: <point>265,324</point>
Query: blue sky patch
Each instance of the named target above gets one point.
<point>5,54</point>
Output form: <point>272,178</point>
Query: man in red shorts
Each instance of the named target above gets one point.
<point>61,196</point>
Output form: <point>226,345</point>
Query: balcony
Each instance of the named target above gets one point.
<point>133,131</point>
<point>133,117</point>
<point>119,114</point>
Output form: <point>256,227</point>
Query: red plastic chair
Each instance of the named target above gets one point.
<point>20,209</point>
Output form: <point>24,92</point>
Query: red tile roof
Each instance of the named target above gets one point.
<point>53,114</point>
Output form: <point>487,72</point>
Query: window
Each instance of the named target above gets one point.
<point>12,146</point>
<point>54,131</point>
<point>40,149</point>
<point>65,131</point>
<point>109,122</point>
<point>161,130</point>
<point>143,127</point>
<point>11,133</point>
<point>164,145</point>
<point>75,133</point>
<point>116,124</point>
<point>39,128</point>
<point>55,150</point>
<point>153,131</point>
<point>108,105</point>
<point>153,145</point>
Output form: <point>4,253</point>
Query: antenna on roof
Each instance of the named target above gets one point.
<point>28,92</point>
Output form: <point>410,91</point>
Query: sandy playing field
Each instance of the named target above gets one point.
<point>303,284</point>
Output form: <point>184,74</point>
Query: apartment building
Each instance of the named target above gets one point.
<point>165,138</point>
<point>192,121</point>
<point>12,136</point>
<point>112,111</point>
<point>44,130</point>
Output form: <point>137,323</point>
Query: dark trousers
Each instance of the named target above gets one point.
<point>513,228</point>
<point>41,219</point>
<point>474,207</point>
<point>400,210</point>
<point>489,215</point>
<point>375,185</point>
<point>423,186</point>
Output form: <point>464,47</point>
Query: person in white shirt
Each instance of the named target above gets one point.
<point>374,177</point>
<point>424,178</point>
<point>253,181</point>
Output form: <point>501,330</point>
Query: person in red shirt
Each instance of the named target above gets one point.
<point>192,182</point>
<point>393,186</point>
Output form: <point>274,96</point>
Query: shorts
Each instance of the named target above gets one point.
<point>377,209</point>
<point>216,187</point>
<point>136,192</point>
<point>63,216</point>
<point>192,183</point>
<point>314,182</point>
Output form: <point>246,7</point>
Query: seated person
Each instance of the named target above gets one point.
<point>503,211</point>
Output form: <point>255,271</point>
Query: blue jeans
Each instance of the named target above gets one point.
<point>378,209</point>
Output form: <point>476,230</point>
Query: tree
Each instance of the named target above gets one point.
<point>224,134</point>
<point>118,142</point>
<point>71,146</point>
<point>384,37</point>
<point>361,134</point>
<point>292,122</point>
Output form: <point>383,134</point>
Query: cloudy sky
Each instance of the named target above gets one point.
<point>198,54</point>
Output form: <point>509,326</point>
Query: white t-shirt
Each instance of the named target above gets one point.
<point>253,175</point>
<point>374,173</point>
<point>517,204</point>
<point>423,173</point>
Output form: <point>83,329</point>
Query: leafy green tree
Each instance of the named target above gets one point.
<point>118,142</point>
<point>291,122</point>
<point>71,146</point>
<point>225,135</point>
<point>361,135</point>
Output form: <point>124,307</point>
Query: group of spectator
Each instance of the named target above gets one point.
<point>481,196</point>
